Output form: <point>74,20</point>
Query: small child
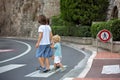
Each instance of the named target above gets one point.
<point>57,55</point>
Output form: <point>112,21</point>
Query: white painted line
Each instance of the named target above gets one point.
<point>22,54</point>
<point>40,74</point>
<point>89,62</point>
<point>111,69</point>
<point>68,79</point>
<point>88,65</point>
<point>6,50</point>
<point>10,67</point>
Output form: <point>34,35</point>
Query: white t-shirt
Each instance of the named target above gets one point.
<point>46,29</point>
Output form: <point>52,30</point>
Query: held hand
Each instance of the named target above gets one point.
<point>52,45</point>
<point>37,45</point>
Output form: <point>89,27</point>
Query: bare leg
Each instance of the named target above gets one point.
<point>55,65</point>
<point>47,63</point>
<point>52,57</point>
<point>60,64</point>
<point>41,61</point>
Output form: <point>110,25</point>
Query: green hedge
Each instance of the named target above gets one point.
<point>57,21</point>
<point>60,30</point>
<point>64,28</point>
<point>113,26</point>
<point>83,31</point>
<point>83,11</point>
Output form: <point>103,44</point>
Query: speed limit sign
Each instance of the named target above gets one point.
<point>104,35</point>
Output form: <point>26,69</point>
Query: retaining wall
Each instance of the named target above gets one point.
<point>91,41</point>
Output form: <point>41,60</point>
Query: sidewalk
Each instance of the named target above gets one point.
<point>105,65</point>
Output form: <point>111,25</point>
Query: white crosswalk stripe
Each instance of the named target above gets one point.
<point>68,79</point>
<point>40,74</point>
<point>10,67</point>
<point>111,69</point>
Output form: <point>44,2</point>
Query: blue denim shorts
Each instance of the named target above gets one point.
<point>44,51</point>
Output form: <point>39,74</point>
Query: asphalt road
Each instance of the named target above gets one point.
<point>18,61</point>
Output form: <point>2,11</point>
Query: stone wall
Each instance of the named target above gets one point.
<point>51,7</point>
<point>115,46</point>
<point>78,40</point>
<point>114,8</point>
<point>19,17</point>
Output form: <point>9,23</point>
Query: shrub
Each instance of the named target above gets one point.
<point>82,31</point>
<point>60,30</point>
<point>94,30</point>
<point>113,26</point>
<point>64,28</point>
<point>83,11</point>
<point>57,21</point>
<point>115,29</point>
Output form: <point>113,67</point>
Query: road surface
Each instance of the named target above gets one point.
<point>18,61</point>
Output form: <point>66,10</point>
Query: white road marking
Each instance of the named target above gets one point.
<point>111,69</point>
<point>88,66</point>
<point>6,50</point>
<point>40,74</point>
<point>22,54</point>
<point>10,67</point>
<point>68,79</point>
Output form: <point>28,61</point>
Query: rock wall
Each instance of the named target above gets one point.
<point>19,17</point>
<point>113,9</point>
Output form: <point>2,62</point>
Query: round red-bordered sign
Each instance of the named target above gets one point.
<point>104,35</point>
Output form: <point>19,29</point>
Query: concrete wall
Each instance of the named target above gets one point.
<point>91,41</point>
<point>79,40</point>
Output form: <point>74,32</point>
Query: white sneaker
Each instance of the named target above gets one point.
<point>62,69</point>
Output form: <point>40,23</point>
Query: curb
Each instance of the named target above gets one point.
<point>86,62</point>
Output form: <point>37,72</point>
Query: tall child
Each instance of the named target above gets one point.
<point>43,44</point>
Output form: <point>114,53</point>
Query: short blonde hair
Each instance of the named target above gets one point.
<point>56,38</point>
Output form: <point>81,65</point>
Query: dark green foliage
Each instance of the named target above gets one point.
<point>113,26</point>
<point>83,11</point>
<point>64,28</point>
<point>115,29</point>
<point>60,30</point>
<point>57,21</point>
<point>83,31</point>
<point>96,27</point>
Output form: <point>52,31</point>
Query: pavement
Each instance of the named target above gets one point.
<point>102,65</point>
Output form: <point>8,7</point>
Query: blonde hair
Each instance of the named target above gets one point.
<point>56,38</point>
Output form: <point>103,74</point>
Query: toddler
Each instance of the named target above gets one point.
<point>57,54</point>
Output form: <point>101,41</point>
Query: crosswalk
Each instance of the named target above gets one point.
<point>68,79</point>
<point>111,69</point>
<point>107,69</point>
<point>40,74</point>
<point>37,73</point>
<point>10,67</point>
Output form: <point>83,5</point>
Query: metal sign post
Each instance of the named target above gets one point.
<point>104,36</point>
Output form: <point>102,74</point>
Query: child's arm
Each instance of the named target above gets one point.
<point>51,35</point>
<point>52,45</point>
<point>39,39</point>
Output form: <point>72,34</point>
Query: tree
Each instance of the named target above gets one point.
<point>83,11</point>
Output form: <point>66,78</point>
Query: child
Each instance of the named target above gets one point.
<point>57,55</point>
<point>43,44</point>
